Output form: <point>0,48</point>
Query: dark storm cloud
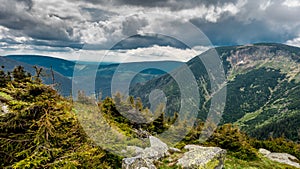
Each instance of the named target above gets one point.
<point>9,41</point>
<point>233,32</point>
<point>60,44</point>
<point>151,3</point>
<point>172,4</point>
<point>12,18</point>
<point>140,41</point>
<point>132,24</point>
<point>15,16</point>
<point>71,23</point>
<point>98,14</point>
<point>47,32</point>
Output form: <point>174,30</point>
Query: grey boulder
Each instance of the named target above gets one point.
<point>157,149</point>
<point>137,163</point>
<point>283,158</point>
<point>202,157</point>
<point>146,157</point>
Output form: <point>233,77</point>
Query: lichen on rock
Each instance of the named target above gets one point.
<point>202,157</point>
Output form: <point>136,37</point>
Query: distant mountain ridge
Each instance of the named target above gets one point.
<point>63,84</point>
<point>62,66</point>
<point>105,71</point>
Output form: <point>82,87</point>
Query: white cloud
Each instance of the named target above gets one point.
<point>215,12</point>
<point>4,32</point>
<point>291,3</point>
<point>154,53</point>
<point>294,42</point>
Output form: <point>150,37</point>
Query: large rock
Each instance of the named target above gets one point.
<point>202,157</point>
<point>157,143</point>
<point>157,150</point>
<point>174,150</point>
<point>284,158</point>
<point>280,157</point>
<point>146,157</point>
<point>137,163</point>
<point>134,150</point>
<point>264,151</point>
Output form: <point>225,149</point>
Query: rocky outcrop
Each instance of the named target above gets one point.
<point>157,150</point>
<point>137,163</point>
<point>174,150</point>
<point>196,157</point>
<point>264,151</point>
<point>281,157</point>
<point>146,157</point>
<point>202,157</point>
<point>134,150</point>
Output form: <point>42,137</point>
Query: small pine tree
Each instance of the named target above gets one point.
<point>20,75</point>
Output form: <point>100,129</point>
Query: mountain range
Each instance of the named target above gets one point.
<point>100,74</point>
<point>262,82</point>
<point>262,89</point>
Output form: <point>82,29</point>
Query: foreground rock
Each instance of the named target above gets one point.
<point>134,150</point>
<point>196,157</point>
<point>174,150</point>
<point>157,150</point>
<point>3,109</point>
<point>264,151</point>
<point>146,157</point>
<point>202,157</point>
<point>281,157</point>
<point>137,163</point>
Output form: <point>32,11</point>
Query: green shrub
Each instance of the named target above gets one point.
<point>232,139</point>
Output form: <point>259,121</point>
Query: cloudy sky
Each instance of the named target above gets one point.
<point>167,29</point>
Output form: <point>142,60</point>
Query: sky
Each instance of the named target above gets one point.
<point>136,30</point>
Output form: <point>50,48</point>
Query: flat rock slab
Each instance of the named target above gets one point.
<point>157,150</point>
<point>174,150</point>
<point>284,158</point>
<point>137,163</point>
<point>264,151</point>
<point>202,157</point>
<point>146,157</point>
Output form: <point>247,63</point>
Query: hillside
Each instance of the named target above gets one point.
<point>62,83</point>
<point>41,129</point>
<point>262,89</point>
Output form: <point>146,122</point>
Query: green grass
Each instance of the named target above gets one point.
<point>5,96</point>
<point>230,163</point>
<point>262,163</point>
<point>247,117</point>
